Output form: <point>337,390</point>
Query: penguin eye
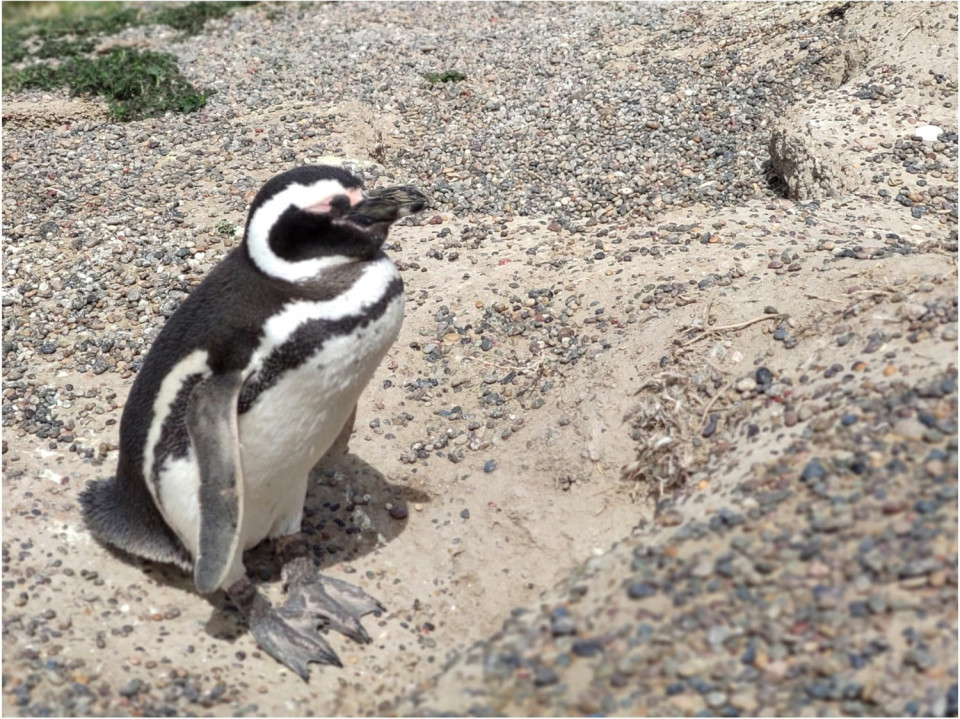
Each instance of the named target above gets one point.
<point>339,205</point>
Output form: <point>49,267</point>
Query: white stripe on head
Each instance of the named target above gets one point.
<point>267,214</point>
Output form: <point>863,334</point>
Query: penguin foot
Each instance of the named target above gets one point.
<point>294,646</point>
<point>286,635</point>
<point>313,599</point>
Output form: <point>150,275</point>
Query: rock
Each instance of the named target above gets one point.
<point>928,133</point>
<point>809,169</point>
<point>747,384</point>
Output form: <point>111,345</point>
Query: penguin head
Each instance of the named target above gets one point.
<point>312,218</point>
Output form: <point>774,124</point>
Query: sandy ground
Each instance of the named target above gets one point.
<point>475,544</point>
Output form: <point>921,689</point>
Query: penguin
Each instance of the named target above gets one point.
<point>249,384</point>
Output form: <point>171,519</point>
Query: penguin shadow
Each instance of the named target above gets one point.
<point>350,510</point>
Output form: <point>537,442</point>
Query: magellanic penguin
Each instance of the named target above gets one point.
<point>247,386</point>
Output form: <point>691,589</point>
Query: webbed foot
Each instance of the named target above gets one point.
<point>318,600</point>
<point>291,633</point>
<point>294,644</point>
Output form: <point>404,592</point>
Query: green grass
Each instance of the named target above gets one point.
<point>226,228</point>
<point>137,84</point>
<point>76,22</point>
<point>445,76</point>
<point>189,19</point>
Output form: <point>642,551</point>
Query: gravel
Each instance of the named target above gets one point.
<point>826,583</point>
<point>818,586</point>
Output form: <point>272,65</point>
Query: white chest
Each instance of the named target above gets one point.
<point>292,423</point>
<point>301,385</point>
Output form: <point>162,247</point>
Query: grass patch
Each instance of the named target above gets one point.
<point>226,228</point>
<point>136,84</point>
<point>445,76</point>
<point>190,19</point>
<point>51,31</point>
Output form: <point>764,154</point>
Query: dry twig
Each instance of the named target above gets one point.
<point>727,328</point>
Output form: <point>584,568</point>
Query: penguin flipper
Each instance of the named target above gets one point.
<point>211,420</point>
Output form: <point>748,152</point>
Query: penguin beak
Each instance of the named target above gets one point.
<point>386,205</point>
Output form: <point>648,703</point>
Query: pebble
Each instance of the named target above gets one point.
<point>928,133</point>
<point>640,590</point>
<point>747,384</point>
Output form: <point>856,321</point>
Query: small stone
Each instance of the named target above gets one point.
<point>763,377</point>
<point>561,623</point>
<point>716,699</point>
<point>928,133</point>
<point>640,590</point>
<point>813,471</point>
<point>692,667</point>
<point>131,688</point>
<point>544,676</point>
<point>747,384</point>
<point>587,647</point>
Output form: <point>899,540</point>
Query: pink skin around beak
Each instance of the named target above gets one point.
<point>324,207</point>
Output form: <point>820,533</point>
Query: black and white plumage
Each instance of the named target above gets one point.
<point>251,381</point>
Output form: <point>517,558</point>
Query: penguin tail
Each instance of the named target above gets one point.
<point>128,519</point>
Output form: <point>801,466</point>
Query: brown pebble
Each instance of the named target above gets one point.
<point>670,518</point>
